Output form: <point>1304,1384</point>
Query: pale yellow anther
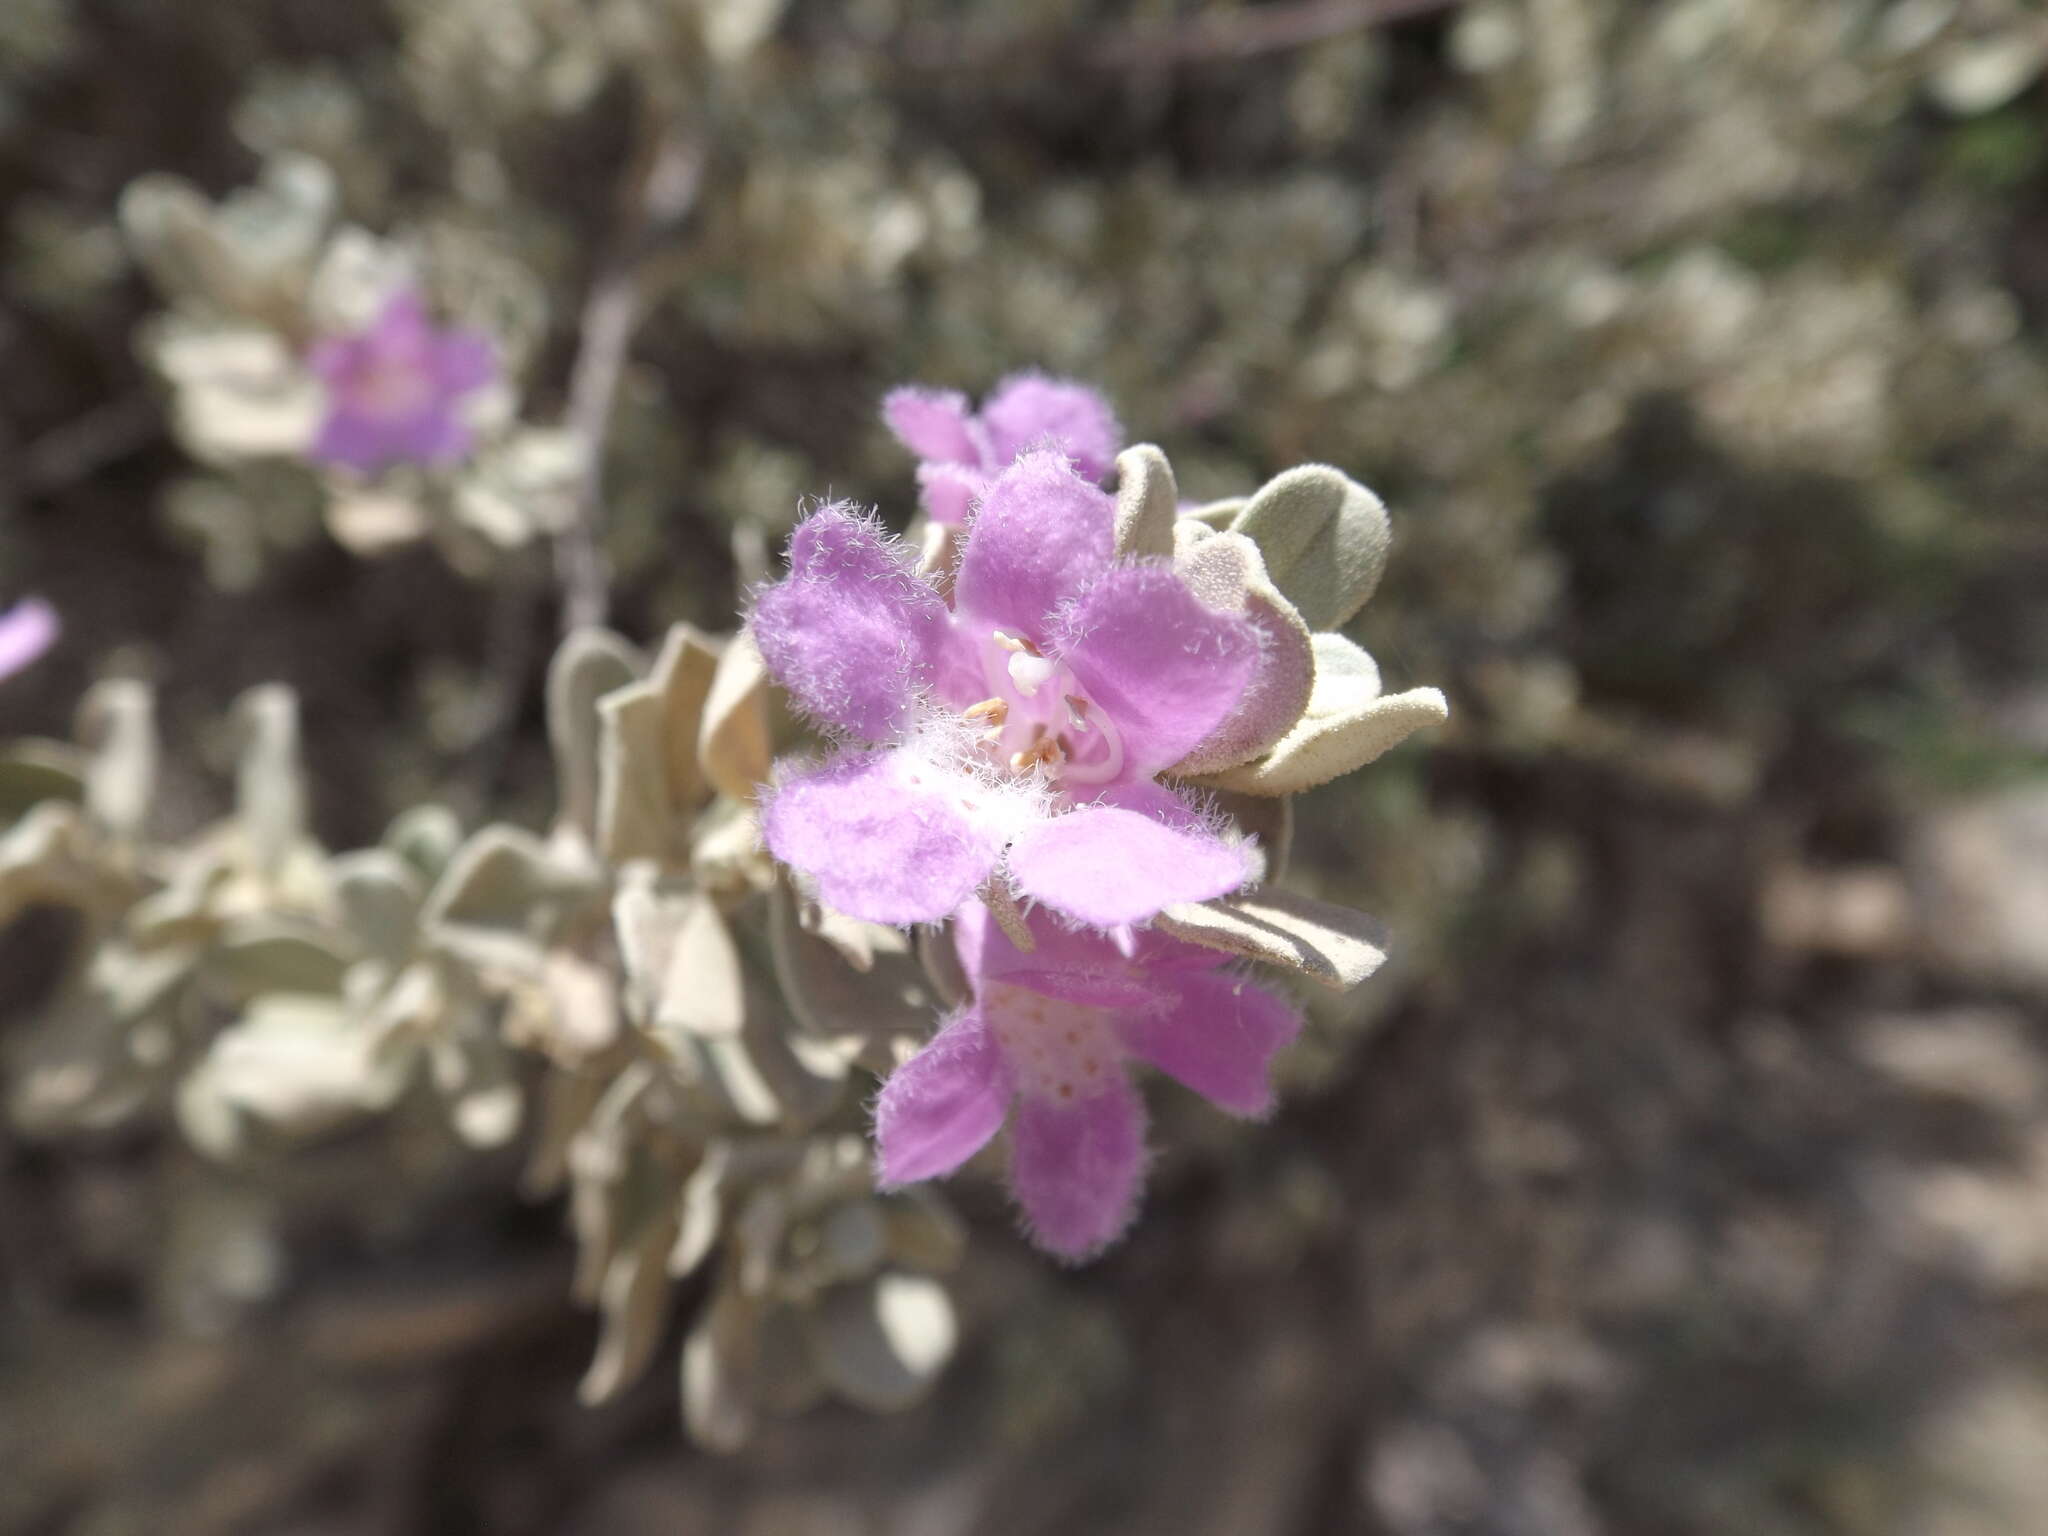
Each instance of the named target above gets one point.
<point>1013,642</point>
<point>995,711</point>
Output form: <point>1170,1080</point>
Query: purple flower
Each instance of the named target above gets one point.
<point>1019,732</point>
<point>961,452</point>
<point>27,630</point>
<point>395,390</point>
<point>1054,1032</point>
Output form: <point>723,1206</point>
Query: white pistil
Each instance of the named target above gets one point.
<point>1077,712</point>
<point>1031,673</point>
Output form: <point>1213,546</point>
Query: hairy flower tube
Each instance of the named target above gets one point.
<point>27,630</point>
<point>1015,735</point>
<point>1053,1033</point>
<point>960,452</point>
<point>395,390</point>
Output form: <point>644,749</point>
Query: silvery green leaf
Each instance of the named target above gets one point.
<point>633,1304</point>
<point>1346,677</point>
<point>1324,538</point>
<point>922,1232</point>
<point>680,960</point>
<point>1333,945</point>
<point>499,898</point>
<point>685,671</point>
<point>239,391</point>
<point>1226,570</point>
<point>270,787</point>
<point>588,664</point>
<point>524,485</point>
<point>700,1210</point>
<point>370,521</point>
<point>852,1240</point>
<point>1269,819</point>
<point>633,816</point>
<point>426,837</point>
<point>264,953</point>
<point>1146,503</point>
<point>1218,515</point>
<point>303,1065</point>
<point>881,1344</point>
<point>1323,748</point>
<point>720,1379</point>
<point>574,1016</point>
<point>133,984</point>
<point>34,771</point>
<point>117,726</point>
<point>169,228</point>
<point>650,784</point>
<point>566,1101</point>
<point>49,857</point>
<point>733,743</point>
<point>485,1106</point>
<point>276,227</point>
<point>356,276</point>
<point>830,998</point>
<point>380,895</point>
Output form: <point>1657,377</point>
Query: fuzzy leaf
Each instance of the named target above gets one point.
<point>720,1359</point>
<point>733,743</point>
<point>380,895</point>
<point>32,772</point>
<point>832,999</point>
<point>117,726</point>
<point>633,1302</point>
<point>262,954</point>
<point>426,837</point>
<point>1320,749</point>
<point>1146,501</point>
<point>1283,684</point>
<point>270,788</point>
<point>588,664</point>
<point>1324,537</point>
<point>1333,945</point>
<point>680,960</point>
<point>882,1344</point>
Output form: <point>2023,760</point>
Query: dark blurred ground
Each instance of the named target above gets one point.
<point>1692,1174</point>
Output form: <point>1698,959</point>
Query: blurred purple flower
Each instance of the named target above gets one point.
<point>1054,1032</point>
<point>960,452</point>
<point>27,630</point>
<point>1022,730</point>
<point>395,390</point>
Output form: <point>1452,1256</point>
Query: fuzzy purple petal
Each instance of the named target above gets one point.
<point>852,631</point>
<point>436,435</point>
<point>464,361</point>
<point>948,492</point>
<point>352,441</point>
<point>1220,1039</point>
<point>27,630</point>
<point>886,838</point>
<point>1029,410</point>
<point>1076,1168</point>
<point>1042,536</point>
<point>934,424</point>
<point>1165,666</point>
<point>1076,965</point>
<point>941,1107</point>
<point>1139,849</point>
